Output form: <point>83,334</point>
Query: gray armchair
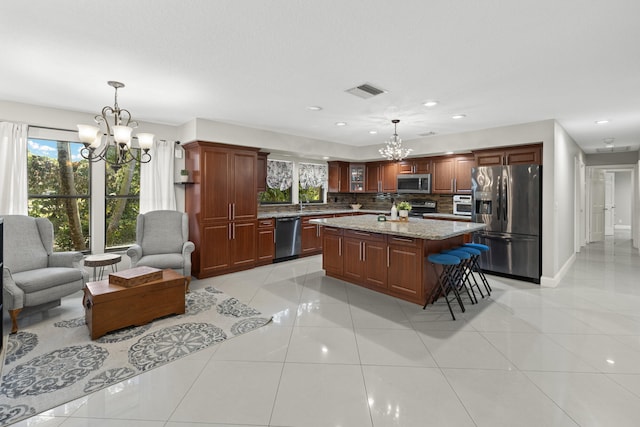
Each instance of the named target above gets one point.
<point>34,275</point>
<point>162,241</point>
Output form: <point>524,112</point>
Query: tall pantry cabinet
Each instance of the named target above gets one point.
<point>222,207</point>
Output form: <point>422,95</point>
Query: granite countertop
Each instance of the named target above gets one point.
<point>448,216</point>
<point>429,229</point>
<point>304,212</point>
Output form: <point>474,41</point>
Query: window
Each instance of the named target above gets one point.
<point>122,202</point>
<point>59,189</point>
<point>279,182</point>
<point>312,180</point>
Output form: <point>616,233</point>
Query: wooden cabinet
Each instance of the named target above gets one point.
<point>381,177</point>
<point>365,258</point>
<point>338,177</point>
<point>332,258</point>
<point>517,155</point>
<point>261,171</point>
<point>266,241</point>
<point>414,166</point>
<point>405,264</point>
<point>311,235</point>
<point>222,207</point>
<point>357,174</point>
<point>452,175</point>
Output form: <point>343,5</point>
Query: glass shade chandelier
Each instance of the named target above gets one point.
<point>115,125</point>
<point>393,149</point>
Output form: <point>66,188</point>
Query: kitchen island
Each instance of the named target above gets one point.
<point>388,256</point>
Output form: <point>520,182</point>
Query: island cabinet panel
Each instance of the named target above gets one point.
<point>405,260</point>
<point>365,258</point>
<point>332,258</point>
<point>266,241</point>
<point>311,235</point>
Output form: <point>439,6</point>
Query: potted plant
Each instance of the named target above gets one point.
<point>403,210</point>
<point>184,175</point>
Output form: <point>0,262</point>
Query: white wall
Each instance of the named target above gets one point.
<point>623,198</point>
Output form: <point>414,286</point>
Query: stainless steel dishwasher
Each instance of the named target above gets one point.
<point>288,238</point>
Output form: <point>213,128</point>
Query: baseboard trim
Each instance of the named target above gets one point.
<point>552,282</point>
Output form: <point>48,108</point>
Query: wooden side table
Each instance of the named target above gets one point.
<point>101,261</point>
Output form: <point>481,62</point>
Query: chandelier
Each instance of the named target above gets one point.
<point>115,125</point>
<point>393,150</point>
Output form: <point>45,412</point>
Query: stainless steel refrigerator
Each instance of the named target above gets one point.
<point>508,199</point>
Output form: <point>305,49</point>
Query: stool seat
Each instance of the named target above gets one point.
<point>478,246</point>
<point>443,259</point>
<point>457,253</point>
<point>470,250</point>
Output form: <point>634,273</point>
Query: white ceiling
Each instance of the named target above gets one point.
<point>261,63</point>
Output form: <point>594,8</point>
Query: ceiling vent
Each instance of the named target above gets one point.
<point>612,149</point>
<point>427,134</point>
<point>365,91</point>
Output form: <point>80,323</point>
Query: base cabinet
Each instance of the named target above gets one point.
<point>266,241</point>
<point>332,258</point>
<point>387,264</point>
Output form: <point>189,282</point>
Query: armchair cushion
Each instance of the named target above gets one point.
<point>160,232</point>
<point>44,278</point>
<point>174,261</point>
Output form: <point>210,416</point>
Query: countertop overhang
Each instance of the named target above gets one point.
<point>428,229</point>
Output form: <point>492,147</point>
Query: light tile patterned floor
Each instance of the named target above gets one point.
<point>339,355</point>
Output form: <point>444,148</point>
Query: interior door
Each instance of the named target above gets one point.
<point>596,225</point>
<point>609,203</point>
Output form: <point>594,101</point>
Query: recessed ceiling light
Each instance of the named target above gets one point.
<point>459,116</point>
<point>314,108</point>
<point>341,123</point>
<point>326,158</point>
<point>602,122</point>
<point>430,103</point>
<point>373,132</point>
<point>448,152</point>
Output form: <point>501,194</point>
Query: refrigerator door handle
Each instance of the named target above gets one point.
<point>499,196</point>
<point>506,200</point>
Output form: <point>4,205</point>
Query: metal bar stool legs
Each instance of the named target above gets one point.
<point>476,266</point>
<point>445,283</point>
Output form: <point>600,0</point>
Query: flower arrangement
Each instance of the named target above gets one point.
<point>404,206</point>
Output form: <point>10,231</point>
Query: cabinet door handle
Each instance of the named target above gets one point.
<point>388,257</point>
<point>339,246</point>
<point>233,211</point>
<point>452,184</point>
<point>317,230</point>
<point>455,184</point>
<point>274,237</point>
<point>364,251</point>
<point>360,233</point>
<point>403,239</point>
<point>233,226</point>
<point>360,252</point>
<point>229,231</point>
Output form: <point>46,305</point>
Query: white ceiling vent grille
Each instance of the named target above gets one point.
<point>365,91</point>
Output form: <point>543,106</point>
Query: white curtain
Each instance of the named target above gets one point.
<point>13,169</point>
<point>156,179</point>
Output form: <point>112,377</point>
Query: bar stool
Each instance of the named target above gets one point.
<point>446,282</point>
<point>473,254</point>
<point>463,271</point>
<point>476,266</point>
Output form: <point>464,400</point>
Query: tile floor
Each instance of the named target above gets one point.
<point>339,355</point>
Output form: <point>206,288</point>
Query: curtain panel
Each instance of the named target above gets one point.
<point>13,169</point>
<point>157,191</point>
<point>279,174</point>
<point>312,175</point>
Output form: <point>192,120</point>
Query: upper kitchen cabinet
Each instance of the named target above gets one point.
<point>338,177</point>
<point>381,177</point>
<point>516,155</point>
<point>356,177</point>
<point>261,171</point>
<point>414,166</point>
<point>452,175</point>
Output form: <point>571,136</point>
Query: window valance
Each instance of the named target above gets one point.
<point>279,174</point>
<point>312,175</point>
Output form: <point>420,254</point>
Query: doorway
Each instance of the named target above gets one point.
<point>610,195</point>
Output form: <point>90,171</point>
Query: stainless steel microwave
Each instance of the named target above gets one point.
<point>414,183</point>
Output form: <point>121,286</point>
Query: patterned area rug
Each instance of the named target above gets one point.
<point>46,366</point>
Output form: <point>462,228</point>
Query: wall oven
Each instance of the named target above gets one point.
<point>462,205</point>
<point>414,183</point>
